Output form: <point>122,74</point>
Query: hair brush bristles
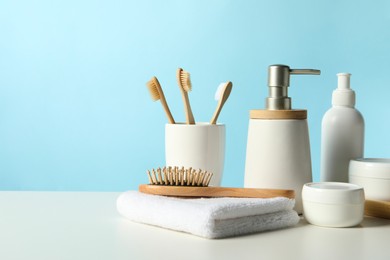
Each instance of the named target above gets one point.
<point>153,86</point>
<point>185,80</point>
<point>179,177</point>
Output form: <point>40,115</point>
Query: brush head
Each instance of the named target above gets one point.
<point>221,95</point>
<point>153,85</point>
<point>223,90</point>
<point>179,177</point>
<point>185,81</point>
<point>218,93</point>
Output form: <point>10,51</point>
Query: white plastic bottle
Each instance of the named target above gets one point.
<point>342,133</point>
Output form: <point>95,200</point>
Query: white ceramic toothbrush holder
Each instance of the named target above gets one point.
<point>200,146</point>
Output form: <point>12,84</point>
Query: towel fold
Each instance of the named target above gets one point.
<point>211,217</point>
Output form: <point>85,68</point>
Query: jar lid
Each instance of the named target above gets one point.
<point>370,168</point>
<point>333,193</point>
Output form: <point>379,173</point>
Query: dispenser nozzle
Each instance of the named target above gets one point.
<point>343,80</point>
<point>278,82</point>
<point>343,95</point>
<point>305,72</point>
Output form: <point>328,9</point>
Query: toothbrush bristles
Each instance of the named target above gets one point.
<point>185,80</point>
<point>153,85</point>
<point>219,91</point>
<point>179,177</point>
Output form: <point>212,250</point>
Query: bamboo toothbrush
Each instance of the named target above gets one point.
<point>157,94</point>
<point>221,95</point>
<point>183,79</point>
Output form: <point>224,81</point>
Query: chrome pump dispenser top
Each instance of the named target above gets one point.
<point>278,148</point>
<point>278,82</point>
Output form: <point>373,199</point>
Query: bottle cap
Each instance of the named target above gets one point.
<point>343,95</point>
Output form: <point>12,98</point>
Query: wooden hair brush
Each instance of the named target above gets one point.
<point>172,181</point>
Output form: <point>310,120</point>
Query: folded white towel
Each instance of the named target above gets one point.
<point>210,218</point>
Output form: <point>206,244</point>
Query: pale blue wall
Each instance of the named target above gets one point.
<point>74,110</point>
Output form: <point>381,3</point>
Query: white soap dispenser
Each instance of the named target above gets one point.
<point>342,137</point>
<point>278,148</point>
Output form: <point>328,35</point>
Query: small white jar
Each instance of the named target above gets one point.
<point>373,175</point>
<point>333,204</point>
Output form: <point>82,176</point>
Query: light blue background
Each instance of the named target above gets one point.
<point>74,110</point>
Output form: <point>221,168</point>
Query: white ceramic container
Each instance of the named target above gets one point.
<point>333,204</point>
<point>373,175</point>
<point>200,146</point>
<point>278,156</point>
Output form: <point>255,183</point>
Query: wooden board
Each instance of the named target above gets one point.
<point>191,191</point>
<point>376,208</point>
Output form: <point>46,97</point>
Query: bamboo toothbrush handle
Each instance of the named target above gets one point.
<point>213,120</point>
<point>196,192</point>
<point>166,108</point>
<point>187,107</point>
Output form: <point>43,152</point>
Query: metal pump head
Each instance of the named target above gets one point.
<point>278,82</point>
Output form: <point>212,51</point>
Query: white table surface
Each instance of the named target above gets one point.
<point>86,225</point>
